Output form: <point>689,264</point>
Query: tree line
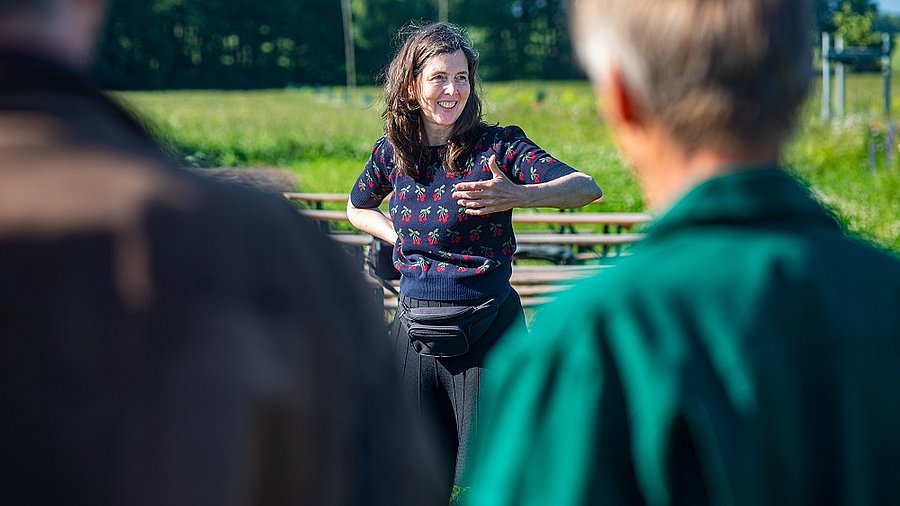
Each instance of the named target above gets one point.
<point>239,44</point>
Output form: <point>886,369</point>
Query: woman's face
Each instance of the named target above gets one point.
<point>443,91</point>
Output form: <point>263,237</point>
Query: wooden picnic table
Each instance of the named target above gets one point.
<point>577,245</point>
<point>579,239</point>
<point>536,285</point>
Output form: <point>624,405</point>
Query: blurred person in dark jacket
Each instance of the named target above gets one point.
<point>168,339</point>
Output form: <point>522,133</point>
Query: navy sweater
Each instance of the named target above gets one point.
<point>442,252</point>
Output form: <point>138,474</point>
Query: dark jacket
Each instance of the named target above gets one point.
<point>166,339</point>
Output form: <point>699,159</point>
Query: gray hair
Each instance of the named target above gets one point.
<point>715,72</point>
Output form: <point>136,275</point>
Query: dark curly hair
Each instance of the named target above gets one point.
<point>403,123</point>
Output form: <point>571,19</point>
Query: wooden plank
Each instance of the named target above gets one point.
<point>578,239</point>
<point>553,274</point>
<point>533,290</point>
<point>317,197</point>
<point>623,219</point>
<point>524,290</point>
<point>575,269</point>
<point>532,302</point>
<point>585,256</point>
<point>582,218</point>
<point>343,197</point>
<point>351,239</point>
<point>536,285</point>
<point>529,275</point>
<point>324,214</point>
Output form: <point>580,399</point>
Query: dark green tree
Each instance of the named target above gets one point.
<point>221,44</point>
<point>376,31</point>
<point>855,28</point>
<point>826,9</point>
<point>152,44</point>
<point>517,39</point>
<point>889,23</point>
<point>522,39</point>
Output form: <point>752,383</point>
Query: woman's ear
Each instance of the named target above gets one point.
<point>411,86</point>
<point>411,94</point>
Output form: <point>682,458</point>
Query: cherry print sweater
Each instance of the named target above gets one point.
<point>442,252</point>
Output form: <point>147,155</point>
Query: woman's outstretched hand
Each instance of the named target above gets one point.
<point>495,195</point>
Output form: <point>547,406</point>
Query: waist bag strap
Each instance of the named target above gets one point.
<point>448,331</point>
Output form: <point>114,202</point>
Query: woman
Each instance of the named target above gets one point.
<point>455,181</point>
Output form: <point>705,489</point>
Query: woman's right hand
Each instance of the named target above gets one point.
<point>494,195</point>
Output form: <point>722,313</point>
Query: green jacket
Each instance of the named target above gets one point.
<point>747,353</point>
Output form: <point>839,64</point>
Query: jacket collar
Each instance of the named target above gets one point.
<point>744,195</point>
<point>34,83</point>
<point>29,73</point>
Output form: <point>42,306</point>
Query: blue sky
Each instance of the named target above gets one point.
<point>891,6</point>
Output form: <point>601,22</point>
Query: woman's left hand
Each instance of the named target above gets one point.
<point>495,195</point>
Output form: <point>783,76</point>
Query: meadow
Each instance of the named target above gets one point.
<point>324,138</point>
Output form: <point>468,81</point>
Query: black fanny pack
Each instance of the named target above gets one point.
<point>448,331</point>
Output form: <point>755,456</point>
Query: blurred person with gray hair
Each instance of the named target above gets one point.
<point>168,339</point>
<point>748,351</point>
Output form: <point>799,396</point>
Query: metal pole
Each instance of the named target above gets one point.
<point>873,140</point>
<point>349,56</point>
<point>826,76</point>
<point>886,74</point>
<point>839,78</point>
<point>443,10</point>
<point>889,145</point>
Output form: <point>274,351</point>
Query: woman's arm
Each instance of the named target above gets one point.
<point>500,194</point>
<point>372,221</point>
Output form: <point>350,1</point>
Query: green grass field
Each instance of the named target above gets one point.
<point>325,139</point>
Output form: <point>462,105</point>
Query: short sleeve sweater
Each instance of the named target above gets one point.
<point>442,252</point>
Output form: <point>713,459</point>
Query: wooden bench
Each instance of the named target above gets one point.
<point>579,239</point>
<point>624,220</point>
<point>577,246</point>
<point>317,200</point>
<point>535,283</point>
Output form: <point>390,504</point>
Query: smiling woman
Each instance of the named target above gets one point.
<point>453,181</point>
<point>443,93</point>
<point>435,64</point>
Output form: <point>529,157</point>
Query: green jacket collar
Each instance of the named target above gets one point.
<point>744,196</point>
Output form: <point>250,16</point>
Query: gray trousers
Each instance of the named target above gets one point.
<point>444,391</point>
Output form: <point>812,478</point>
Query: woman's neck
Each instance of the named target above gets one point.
<point>438,136</point>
